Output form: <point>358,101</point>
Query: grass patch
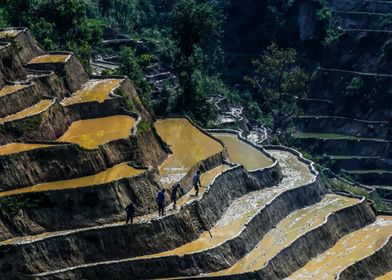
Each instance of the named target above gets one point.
<point>143,126</point>
<point>336,185</point>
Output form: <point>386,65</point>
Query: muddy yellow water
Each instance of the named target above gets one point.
<point>91,133</point>
<point>244,208</point>
<point>19,147</point>
<point>31,111</point>
<point>11,88</point>
<point>387,276</point>
<point>115,173</point>
<point>94,90</point>
<point>351,248</point>
<point>242,153</point>
<point>205,179</point>
<point>50,58</point>
<point>189,146</point>
<point>286,232</point>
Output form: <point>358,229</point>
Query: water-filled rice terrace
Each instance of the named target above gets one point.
<point>79,159</point>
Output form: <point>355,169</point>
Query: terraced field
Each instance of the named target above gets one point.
<point>94,132</point>
<point>67,178</point>
<point>332,127</point>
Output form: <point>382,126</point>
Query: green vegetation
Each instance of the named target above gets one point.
<point>280,85</point>
<point>143,127</point>
<point>131,66</point>
<point>338,185</point>
<point>57,24</point>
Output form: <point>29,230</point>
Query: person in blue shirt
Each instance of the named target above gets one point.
<point>161,202</point>
<point>196,182</point>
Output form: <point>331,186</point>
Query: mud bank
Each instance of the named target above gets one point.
<point>48,124</point>
<point>381,177</point>
<point>63,209</point>
<point>126,241</point>
<point>70,70</point>
<point>48,84</point>
<point>217,258</point>
<point>332,84</point>
<point>28,46</point>
<point>17,98</point>
<point>347,147</point>
<point>11,68</point>
<point>345,126</point>
<point>67,161</point>
<point>359,163</point>
<point>312,243</point>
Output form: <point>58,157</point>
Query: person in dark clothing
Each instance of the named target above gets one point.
<point>174,195</point>
<point>161,202</point>
<point>196,182</point>
<point>130,209</point>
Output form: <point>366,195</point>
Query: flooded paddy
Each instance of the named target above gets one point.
<point>351,248</point>
<point>286,232</point>
<point>245,207</point>
<point>14,148</point>
<point>189,146</point>
<point>31,111</point>
<point>50,58</point>
<point>243,153</point>
<point>8,89</point>
<point>94,90</point>
<point>92,133</point>
<point>115,173</point>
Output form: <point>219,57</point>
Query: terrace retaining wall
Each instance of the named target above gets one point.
<point>124,241</point>
<point>62,209</point>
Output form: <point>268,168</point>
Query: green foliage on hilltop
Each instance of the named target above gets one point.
<point>280,85</point>
<point>57,24</point>
<point>131,66</point>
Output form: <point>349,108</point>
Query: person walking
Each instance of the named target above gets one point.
<point>196,182</point>
<point>130,209</point>
<point>174,195</point>
<point>161,202</point>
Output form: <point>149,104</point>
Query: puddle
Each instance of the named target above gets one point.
<point>242,153</point>
<point>92,133</point>
<point>351,248</point>
<point>115,173</point>
<point>94,90</point>
<point>31,111</point>
<point>11,88</point>
<point>286,232</point>
<point>189,146</point>
<point>50,58</point>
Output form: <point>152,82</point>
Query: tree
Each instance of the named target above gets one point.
<point>280,84</point>
<point>131,67</point>
<point>105,6</point>
<point>193,26</point>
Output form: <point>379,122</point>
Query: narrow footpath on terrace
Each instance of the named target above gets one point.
<point>240,212</point>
